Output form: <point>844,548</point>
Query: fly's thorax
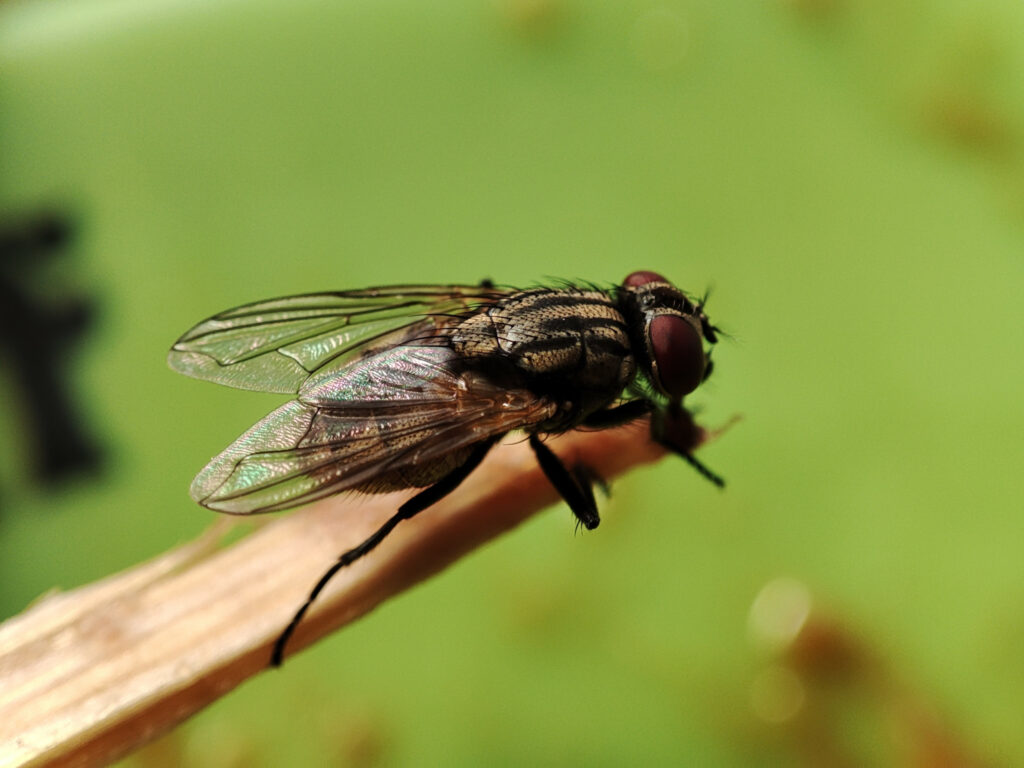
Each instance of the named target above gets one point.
<point>571,340</point>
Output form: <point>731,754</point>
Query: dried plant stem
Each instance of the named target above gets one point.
<point>89,675</point>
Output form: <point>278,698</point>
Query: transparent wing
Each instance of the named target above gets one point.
<point>275,345</point>
<point>391,413</point>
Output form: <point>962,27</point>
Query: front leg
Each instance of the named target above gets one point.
<point>674,428</point>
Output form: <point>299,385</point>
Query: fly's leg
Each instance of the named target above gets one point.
<point>701,468</point>
<point>575,486</point>
<point>674,429</point>
<point>631,410</point>
<point>587,477</point>
<point>412,507</point>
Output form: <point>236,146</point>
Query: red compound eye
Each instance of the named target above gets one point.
<point>642,278</point>
<point>678,352</point>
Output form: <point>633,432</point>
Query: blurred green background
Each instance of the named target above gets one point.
<point>847,174</point>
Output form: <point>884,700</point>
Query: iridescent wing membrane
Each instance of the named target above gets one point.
<point>381,404</point>
<point>275,345</point>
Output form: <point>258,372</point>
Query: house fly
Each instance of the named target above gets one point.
<point>410,386</point>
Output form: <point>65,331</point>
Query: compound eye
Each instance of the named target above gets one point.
<point>678,352</point>
<point>636,279</point>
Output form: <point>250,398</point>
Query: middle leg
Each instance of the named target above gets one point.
<point>575,487</point>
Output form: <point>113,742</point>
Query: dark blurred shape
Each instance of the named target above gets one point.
<point>965,102</point>
<point>37,329</point>
<point>361,739</point>
<point>834,699</point>
<point>968,119</point>
<point>532,18</point>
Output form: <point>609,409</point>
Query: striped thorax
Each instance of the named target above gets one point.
<point>571,345</point>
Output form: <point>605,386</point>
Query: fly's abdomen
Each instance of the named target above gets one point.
<point>416,476</point>
<point>571,342</point>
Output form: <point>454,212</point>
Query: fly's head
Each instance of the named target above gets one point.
<point>670,334</point>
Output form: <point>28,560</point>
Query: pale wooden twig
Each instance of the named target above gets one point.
<point>90,675</point>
